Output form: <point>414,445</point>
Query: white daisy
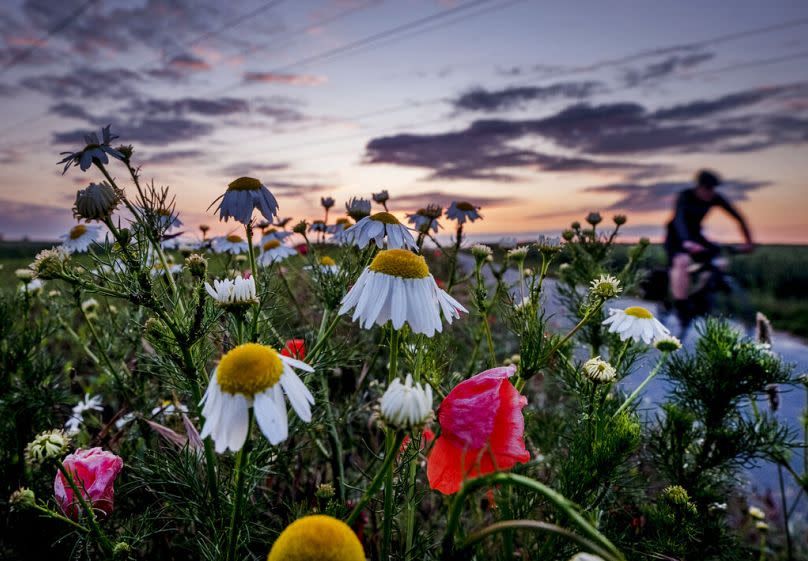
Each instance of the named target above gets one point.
<point>73,424</point>
<point>425,219</point>
<point>357,208</point>
<point>275,234</point>
<point>233,292</point>
<point>233,243</point>
<point>95,149</point>
<point>599,371</point>
<point>406,406</point>
<point>32,288</point>
<point>273,251</point>
<point>79,238</point>
<point>397,287</point>
<point>635,323</point>
<point>379,226</point>
<point>168,408</point>
<point>244,195</point>
<point>462,211</point>
<point>605,286</point>
<point>326,265</point>
<point>253,375</point>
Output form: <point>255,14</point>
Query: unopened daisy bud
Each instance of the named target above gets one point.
<point>51,444</point>
<point>756,513</point>
<point>48,263</point>
<point>96,202</point>
<point>233,293</point>
<point>327,202</point>
<point>516,358</point>
<point>89,306</point>
<point>481,252</point>
<point>528,272</point>
<point>575,225</point>
<point>197,264</point>
<point>594,218</point>
<point>22,499</point>
<point>122,550</point>
<point>358,208</point>
<point>548,244</point>
<point>605,287</point>
<point>126,151</point>
<point>599,371</point>
<point>406,406</point>
<point>301,227</point>
<point>381,197</point>
<point>24,274</point>
<point>324,491</point>
<point>619,219</point>
<point>568,235</point>
<point>518,254</point>
<point>668,344</point>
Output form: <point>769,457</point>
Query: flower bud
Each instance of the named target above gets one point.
<point>300,227</point>
<point>594,218</point>
<point>197,264</point>
<point>568,235</point>
<point>96,202</point>
<point>605,287</point>
<point>24,274</point>
<point>49,263</point>
<point>668,344</point>
<point>47,445</point>
<point>599,371</point>
<point>324,491</point>
<point>21,499</point>
<point>619,219</point>
<point>406,406</point>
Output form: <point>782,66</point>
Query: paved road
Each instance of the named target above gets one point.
<point>761,479</point>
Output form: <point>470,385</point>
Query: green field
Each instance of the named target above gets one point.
<point>774,277</point>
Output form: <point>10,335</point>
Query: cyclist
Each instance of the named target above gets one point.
<point>685,242</point>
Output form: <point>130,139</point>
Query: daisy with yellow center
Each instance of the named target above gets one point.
<point>273,251</point>
<point>317,538</point>
<point>378,228</point>
<point>274,234</point>
<point>461,211</point>
<point>79,238</point>
<point>242,197</point>
<point>257,376</point>
<point>635,323</point>
<point>397,287</point>
<point>233,243</point>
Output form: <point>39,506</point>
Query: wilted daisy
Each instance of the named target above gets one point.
<point>244,195</point>
<point>257,376</point>
<point>397,287</point>
<point>48,263</point>
<point>425,219</point>
<point>273,251</point>
<point>599,371</point>
<point>51,444</point>
<point>381,197</point>
<point>79,238</point>
<point>668,344</point>
<point>232,243</point>
<point>406,406</point>
<point>95,150</point>
<point>605,286</point>
<point>635,323</point>
<point>73,424</point>
<point>233,292</point>
<point>518,254</point>
<point>461,211</point>
<point>357,208</point>
<point>96,202</point>
<point>327,202</point>
<point>482,252</point>
<point>377,228</point>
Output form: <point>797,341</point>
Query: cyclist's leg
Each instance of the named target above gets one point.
<point>679,276</point>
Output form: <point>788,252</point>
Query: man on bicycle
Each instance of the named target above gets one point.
<point>685,242</point>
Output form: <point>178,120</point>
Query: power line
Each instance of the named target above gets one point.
<point>60,26</point>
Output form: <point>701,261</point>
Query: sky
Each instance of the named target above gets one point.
<point>537,111</point>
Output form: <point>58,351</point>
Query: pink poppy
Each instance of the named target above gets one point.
<point>94,472</point>
<point>482,430</point>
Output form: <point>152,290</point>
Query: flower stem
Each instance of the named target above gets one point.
<point>235,518</point>
<point>455,256</point>
<point>389,457</point>
<point>641,387</point>
<point>333,435</point>
<point>387,521</point>
<point>64,519</point>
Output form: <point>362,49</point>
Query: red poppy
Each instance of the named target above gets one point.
<point>295,348</point>
<point>302,249</point>
<point>482,430</point>
<point>426,437</point>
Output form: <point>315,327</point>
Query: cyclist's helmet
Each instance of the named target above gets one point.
<point>708,178</point>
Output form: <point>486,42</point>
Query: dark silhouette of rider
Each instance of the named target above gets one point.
<point>685,241</point>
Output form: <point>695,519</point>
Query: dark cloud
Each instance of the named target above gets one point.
<point>635,197</point>
<point>113,83</point>
<point>149,131</point>
<point>731,102</point>
<point>170,157</point>
<point>280,113</point>
<point>72,111</point>
<point>664,68</point>
<point>418,200</point>
<point>189,106</point>
<point>288,79</point>
<point>252,169</point>
<point>480,99</point>
<point>292,188</point>
<point>16,219</point>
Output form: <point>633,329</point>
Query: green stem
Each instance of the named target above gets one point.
<point>235,517</point>
<point>387,521</point>
<point>312,354</point>
<point>575,329</point>
<point>94,527</point>
<point>64,519</point>
<point>785,512</point>
<point>375,485</point>
<point>333,435</point>
<point>507,525</point>
<point>455,256</point>
<point>492,355</point>
<point>641,387</point>
<point>558,500</point>
<point>251,254</point>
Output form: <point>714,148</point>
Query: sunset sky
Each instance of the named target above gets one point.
<point>538,111</point>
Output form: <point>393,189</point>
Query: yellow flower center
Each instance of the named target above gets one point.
<point>271,244</point>
<point>249,369</point>
<point>385,217</point>
<point>77,231</point>
<point>400,263</point>
<point>327,261</point>
<point>244,184</point>
<point>234,238</point>
<point>464,206</point>
<point>317,538</point>
<point>638,312</point>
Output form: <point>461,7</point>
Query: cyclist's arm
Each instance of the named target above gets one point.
<point>732,211</point>
<point>679,220</point>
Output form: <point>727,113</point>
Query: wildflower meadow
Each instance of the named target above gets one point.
<point>370,385</point>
